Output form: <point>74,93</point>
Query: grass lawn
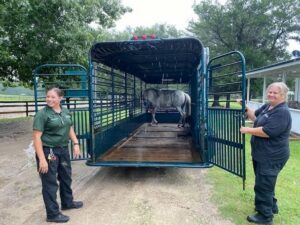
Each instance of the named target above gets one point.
<point>236,204</point>
<point>16,98</point>
<point>9,120</point>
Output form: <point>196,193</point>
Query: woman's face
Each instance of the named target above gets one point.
<point>275,96</point>
<point>53,99</point>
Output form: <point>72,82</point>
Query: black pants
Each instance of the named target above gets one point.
<point>59,168</point>
<point>265,180</point>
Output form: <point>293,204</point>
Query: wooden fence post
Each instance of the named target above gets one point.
<point>27,109</point>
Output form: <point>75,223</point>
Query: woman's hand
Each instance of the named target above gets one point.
<point>76,148</point>
<point>239,101</point>
<point>43,166</point>
<point>256,131</point>
<point>38,146</point>
<point>76,151</point>
<point>244,130</point>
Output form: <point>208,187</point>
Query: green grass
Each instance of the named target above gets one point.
<point>9,120</point>
<point>16,98</point>
<point>235,204</point>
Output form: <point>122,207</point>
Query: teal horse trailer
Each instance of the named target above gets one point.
<point>113,125</point>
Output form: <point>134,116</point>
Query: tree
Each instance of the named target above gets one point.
<point>34,32</point>
<point>258,28</point>
<point>160,31</point>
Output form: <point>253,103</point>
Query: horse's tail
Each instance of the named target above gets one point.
<point>188,104</point>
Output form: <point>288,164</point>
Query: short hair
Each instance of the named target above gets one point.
<point>283,89</point>
<point>58,91</point>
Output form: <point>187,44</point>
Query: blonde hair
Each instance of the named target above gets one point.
<point>283,89</point>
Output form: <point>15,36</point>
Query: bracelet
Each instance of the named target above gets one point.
<point>76,144</point>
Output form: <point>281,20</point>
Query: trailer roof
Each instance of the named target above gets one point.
<point>152,60</point>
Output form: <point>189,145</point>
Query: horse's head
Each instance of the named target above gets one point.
<point>144,99</point>
<point>149,99</point>
<point>147,104</point>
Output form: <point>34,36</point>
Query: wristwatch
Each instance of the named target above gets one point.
<point>76,144</point>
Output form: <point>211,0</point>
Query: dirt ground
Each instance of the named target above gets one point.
<point>111,196</point>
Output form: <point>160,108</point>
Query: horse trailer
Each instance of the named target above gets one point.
<point>113,125</point>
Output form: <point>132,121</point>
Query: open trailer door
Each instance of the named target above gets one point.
<point>72,79</point>
<point>225,83</point>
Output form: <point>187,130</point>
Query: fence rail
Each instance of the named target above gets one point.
<point>15,109</point>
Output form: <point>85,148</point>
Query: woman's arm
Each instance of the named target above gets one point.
<point>250,113</point>
<point>38,146</point>
<point>76,147</point>
<point>256,131</point>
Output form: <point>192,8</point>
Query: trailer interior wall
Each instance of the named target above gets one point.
<point>120,72</point>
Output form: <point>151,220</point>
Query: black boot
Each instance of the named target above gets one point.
<point>275,209</point>
<point>74,205</point>
<point>60,218</point>
<point>258,218</point>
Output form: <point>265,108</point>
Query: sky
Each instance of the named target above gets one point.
<point>149,12</point>
<point>173,12</point>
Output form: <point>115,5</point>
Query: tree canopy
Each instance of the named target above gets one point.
<point>34,32</point>
<point>258,28</point>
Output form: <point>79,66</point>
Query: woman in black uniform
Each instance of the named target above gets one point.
<point>270,149</point>
<point>52,130</point>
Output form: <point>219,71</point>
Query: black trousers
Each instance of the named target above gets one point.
<point>59,168</point>
<point>266,174</point>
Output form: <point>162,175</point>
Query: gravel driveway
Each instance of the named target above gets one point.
<point>112,196</point>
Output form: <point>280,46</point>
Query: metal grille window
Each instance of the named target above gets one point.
<point>115,97</point>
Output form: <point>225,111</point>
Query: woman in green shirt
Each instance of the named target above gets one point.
<point>52,130</point>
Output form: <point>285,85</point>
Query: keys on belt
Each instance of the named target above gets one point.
<point>51,156</point>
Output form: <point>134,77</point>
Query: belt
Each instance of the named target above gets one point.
<point>58,147</point>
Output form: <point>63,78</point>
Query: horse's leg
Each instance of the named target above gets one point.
<point>180,122</point>
<point>183,116</point>
<point>154,121</point>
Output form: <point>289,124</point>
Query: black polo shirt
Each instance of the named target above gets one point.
<point>276,123</point>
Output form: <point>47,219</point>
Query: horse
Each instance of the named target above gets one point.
<point>155,99</point>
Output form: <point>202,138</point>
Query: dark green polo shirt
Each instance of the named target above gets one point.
<point>55,126</point>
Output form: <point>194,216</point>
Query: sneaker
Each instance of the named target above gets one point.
<point>60,218</point>
<point>74,205</point>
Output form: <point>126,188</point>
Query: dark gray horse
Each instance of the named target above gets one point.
<point>155,99</point>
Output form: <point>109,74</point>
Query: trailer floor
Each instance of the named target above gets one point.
<point>164,142</point>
